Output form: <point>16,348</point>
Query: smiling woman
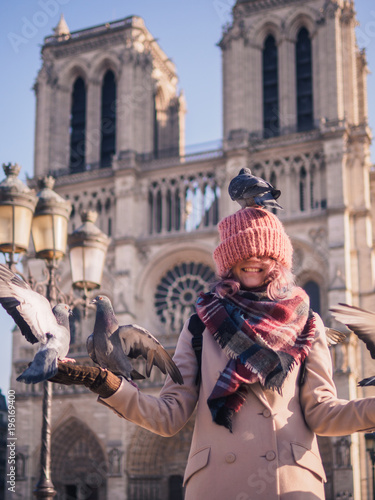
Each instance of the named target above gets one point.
<point>253,272</point>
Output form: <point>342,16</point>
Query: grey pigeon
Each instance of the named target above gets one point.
<point>251,191</point>
<point>111,345</point>
<point>38,323</point>
<point>362,323</point>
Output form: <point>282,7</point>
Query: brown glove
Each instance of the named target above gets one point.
<point>99,381</point>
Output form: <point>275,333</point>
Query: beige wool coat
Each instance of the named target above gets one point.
<point>272,453</point>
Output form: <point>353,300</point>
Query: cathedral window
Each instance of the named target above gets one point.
<point>187,205</point>
<point>178,291</point>
<point>175,488</point>
<point>304,81</point>
<point>201,205</point>
<point>78,126</point>
<point>108,120</point>
<point>313,291</point>
<point>270,88</point>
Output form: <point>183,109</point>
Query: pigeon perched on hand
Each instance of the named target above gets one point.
<point>251,191</point>
<point>45,362</point>
<point>38,323</point>
<point>362,323</point>
<point>111,345</point>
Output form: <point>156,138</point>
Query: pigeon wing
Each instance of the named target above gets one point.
<point>334,336</point>
<point>90,348</point>
<point>137,341</point>
<point>30,310</point>
<point>360,321</point>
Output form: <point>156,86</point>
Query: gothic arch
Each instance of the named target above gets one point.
<point>160,100</point>
<point>310,264</point>
<point>152,460</point>
<point>166,259</point>
<point>303,18</point>
<point>78,68</point>
<point>79,462</point>
<point>268,27</point>
<point>105,62</point>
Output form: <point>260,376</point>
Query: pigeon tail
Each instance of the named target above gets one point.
<point>136,375</point>
<point>43,367</point>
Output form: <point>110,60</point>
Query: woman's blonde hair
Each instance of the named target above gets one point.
<point>279,282</point>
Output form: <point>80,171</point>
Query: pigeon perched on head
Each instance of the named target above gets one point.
<point>251,191</point>
<point>111,345</point>
<point>38,323</point>
<point>362,323</point>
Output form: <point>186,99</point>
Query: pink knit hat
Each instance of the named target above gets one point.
<point>248,233</point>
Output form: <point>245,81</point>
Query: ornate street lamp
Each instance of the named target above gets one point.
<point>17,205</point>
<point>370,448</point>
<point>49,229</point>
<point>87,250</point>
<point>49,232</point>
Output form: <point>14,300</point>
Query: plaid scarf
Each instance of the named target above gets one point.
<point>263,340</point>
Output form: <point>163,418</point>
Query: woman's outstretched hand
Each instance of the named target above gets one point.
<point>98,380</point>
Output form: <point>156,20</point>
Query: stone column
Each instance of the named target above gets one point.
<point>93,119</point>
<point>287,84</point>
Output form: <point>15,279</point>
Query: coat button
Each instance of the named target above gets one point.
<point>230,458</point>
<point>270,455</point>
<point>266,413</point>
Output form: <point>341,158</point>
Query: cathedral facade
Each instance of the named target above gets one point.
<point>110,129</point>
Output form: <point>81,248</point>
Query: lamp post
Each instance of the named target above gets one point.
<point>370,448</point>
<point>49,228</point>
<point>49,232</point>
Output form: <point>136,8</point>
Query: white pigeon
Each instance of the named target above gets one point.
<point>38,323</point>
<point>362,323</point>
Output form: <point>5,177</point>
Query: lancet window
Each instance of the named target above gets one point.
<point>313,291</point>
<point>78,126</point>
<point>304,81</point>
<point>270,88</point>
<point>108,119</point>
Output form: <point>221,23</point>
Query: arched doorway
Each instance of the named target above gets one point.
<point>156,464</point>
<point>79,465</point>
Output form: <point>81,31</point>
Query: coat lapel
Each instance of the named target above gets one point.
<point>259,393</point>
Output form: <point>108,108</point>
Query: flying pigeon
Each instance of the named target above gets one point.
<point>362,323</point>
<point>334,337</point>
<point>38,323</point>
<point>251,191</point>
<point>111,345</point>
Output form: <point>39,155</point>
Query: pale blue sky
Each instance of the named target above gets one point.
<point>188,32</point>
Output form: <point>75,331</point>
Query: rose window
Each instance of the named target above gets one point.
<point>178,291</point>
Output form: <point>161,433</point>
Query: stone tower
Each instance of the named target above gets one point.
<point>110,128</point>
